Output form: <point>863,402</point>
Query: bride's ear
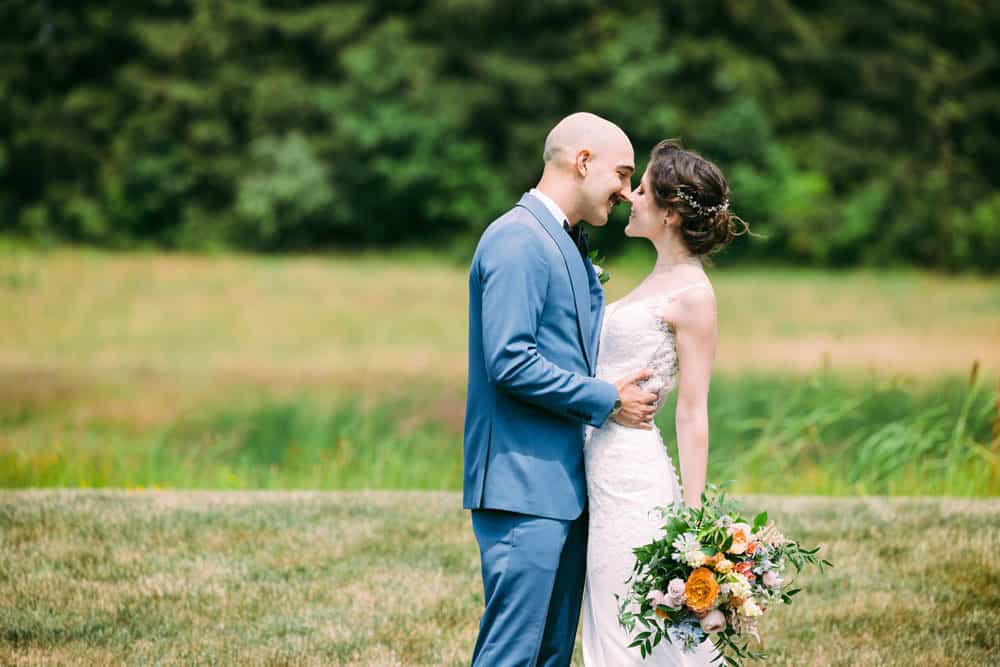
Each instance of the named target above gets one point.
<point>671,218</point>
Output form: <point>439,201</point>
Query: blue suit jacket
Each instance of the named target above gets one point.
<point>535,309</point>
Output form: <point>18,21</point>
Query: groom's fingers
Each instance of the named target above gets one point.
<point>644,374</point>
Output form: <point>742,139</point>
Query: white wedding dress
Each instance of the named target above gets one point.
<point>629,473</point>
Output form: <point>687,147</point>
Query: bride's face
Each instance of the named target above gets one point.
<point>646,220</point>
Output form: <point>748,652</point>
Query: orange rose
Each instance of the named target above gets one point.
<point>700,590</point>
<point>744,569</point>
<point>751,548</point>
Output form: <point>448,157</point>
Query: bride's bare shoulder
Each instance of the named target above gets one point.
<point>693,303</point>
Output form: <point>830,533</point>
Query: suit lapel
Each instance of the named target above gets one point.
<point>578,278</point>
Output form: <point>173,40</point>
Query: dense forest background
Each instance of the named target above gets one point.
<point>852,133</point>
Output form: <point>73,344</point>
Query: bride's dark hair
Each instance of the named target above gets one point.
<point>686,182</point>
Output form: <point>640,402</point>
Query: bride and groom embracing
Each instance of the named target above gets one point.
<point>563,463</point>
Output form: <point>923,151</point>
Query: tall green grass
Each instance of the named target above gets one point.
<point>791,435</point>
<point>827,435</point>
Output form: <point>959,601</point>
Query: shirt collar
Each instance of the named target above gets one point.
<point>553,207</point>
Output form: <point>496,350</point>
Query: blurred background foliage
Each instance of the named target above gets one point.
<point>852,133</point>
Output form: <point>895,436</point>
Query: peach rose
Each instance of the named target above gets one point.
<point>741,538</point>
<point>744,569</point>
<point>701,589</point>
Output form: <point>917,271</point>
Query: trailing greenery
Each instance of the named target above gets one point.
<point>852,133</point>
<point>769,434</point>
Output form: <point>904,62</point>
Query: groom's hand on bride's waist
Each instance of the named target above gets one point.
<point>638,406</point>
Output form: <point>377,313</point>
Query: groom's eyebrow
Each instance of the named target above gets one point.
<point>626,167</point>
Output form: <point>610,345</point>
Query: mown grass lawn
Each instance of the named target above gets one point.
<point>391,578</point>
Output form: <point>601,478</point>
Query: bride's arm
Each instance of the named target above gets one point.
<point>694,321</point>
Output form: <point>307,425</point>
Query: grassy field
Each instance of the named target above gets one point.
<point>378,321</point>
<point>816,435</point>
<point>391,578</point>
<point>143,370</point>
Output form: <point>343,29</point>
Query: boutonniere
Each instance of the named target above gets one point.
<point>602,275</point>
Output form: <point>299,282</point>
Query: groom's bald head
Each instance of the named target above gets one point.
<point>581,131</point>
<point>588,166</point>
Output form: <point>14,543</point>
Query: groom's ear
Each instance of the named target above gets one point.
<point>583,162</point>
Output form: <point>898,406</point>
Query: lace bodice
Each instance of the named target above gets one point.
<point>634,336</point>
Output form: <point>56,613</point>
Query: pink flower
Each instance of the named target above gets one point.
<point>656,597</point>
<point>713,621</point>
<point>771,579</point>
<point>676,587</point>
<point>675,593</point>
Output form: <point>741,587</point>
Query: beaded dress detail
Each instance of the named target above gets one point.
<point>629,473</point>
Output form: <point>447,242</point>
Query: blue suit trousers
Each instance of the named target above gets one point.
<point>533,576</point>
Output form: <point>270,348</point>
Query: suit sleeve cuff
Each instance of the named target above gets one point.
<point>607,394</point>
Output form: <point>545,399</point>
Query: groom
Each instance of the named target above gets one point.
<point>535,311</point>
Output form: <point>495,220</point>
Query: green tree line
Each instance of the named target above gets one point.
<point>852,133</point>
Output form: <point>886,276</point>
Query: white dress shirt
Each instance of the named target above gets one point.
<point>553,207</point>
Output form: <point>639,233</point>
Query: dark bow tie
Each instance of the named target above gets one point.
<point>579,236</point>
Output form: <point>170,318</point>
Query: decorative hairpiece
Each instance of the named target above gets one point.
<point>698,207</point>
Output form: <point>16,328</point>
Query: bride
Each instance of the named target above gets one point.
<point>668,324</point>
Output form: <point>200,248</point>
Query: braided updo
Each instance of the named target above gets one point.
<point>686,182</point>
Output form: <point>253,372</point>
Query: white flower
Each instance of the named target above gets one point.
<point>598,270</point>
<point>750,609</point>
<point>770,536</point>
<point>739,586</point>
<point>695,558</point>
<point>687,549</point>
<point>686,542</point>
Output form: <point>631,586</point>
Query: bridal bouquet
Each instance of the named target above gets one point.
<point>711,575</point>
